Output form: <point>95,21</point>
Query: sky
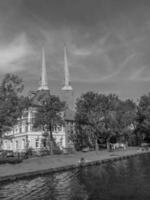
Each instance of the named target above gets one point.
<point>108,44</point>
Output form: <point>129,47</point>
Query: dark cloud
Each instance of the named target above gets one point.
<point>108,41</point>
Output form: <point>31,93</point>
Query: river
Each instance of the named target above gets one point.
<point>125,180</point>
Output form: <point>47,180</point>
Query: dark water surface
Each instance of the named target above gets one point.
<point>125,179</point>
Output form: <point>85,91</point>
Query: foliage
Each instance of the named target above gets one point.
<point>10,101</point>
<point>28,153</point>
<point>143,118</point>
<point>24,103</point>
<point>100,116</point>
<point>49,116</point>
<point>125,117</point>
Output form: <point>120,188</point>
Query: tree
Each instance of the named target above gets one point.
<point>100,116</point>
<point>49,116</point>
<point>125,117</point>
<point>10,106</point>
<point>93,116</point>
<point>143,118</point>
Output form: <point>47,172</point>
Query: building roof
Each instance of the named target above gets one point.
<point>69,115</point>
<point>37,97</point>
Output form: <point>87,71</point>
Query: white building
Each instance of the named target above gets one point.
<point>23,135</point>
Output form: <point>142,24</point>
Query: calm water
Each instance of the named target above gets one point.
<point>126,179</point>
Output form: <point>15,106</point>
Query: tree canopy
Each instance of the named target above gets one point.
<point>11,101</point>
<point>100,116</point>
<point>143,117</point>
<point>49,116</point>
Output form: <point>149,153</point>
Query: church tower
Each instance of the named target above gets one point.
<point>43,91</point>
<point>43,80</point>
<point>67,91</point>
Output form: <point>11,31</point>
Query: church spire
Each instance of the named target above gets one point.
<point>43,82</point>
<point>67,85</point>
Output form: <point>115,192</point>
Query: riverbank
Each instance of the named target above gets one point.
<point>50,164</point>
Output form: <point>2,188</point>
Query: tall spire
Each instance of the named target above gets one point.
<point>67,85</point>
<point>43,82</point>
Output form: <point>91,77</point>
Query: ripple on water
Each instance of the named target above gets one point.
<point>125,179</point>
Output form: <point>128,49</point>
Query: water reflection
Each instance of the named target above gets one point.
<point>126,179</point>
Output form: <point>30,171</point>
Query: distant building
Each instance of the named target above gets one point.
<point>23,135</point>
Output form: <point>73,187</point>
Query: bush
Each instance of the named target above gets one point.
<point>10,160</point>
<point>57,151</point>
<point>6,153</point>
<point>44,152</point>
<point>28,153</point>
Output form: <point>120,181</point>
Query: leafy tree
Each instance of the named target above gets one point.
<point>49,116</point>
<point>92,113</point>
<point>125,116</point>
<point>24,103</point>
<point>10,106</point>
<point>100,116</point>
<point>143,118</point>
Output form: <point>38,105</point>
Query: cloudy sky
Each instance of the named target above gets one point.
<point>108,43</point>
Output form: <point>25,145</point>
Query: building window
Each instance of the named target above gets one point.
<point>17,145</point>
<point>28,143</point>
<point>25,114</point>
<point>44,142</point>
<point>26,128</point>
<point>37,143</point>
<point>61,141</point>
<point>23,144</point>
<point>5,144</point>
<point>20,129</point>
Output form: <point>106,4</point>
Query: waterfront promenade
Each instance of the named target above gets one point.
<point>56,163</point>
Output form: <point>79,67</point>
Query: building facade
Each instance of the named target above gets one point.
<point>24,136</point>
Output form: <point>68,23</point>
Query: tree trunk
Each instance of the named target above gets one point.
<point>50,143</point>
<point>96,146</point>
<point>51,147</point>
